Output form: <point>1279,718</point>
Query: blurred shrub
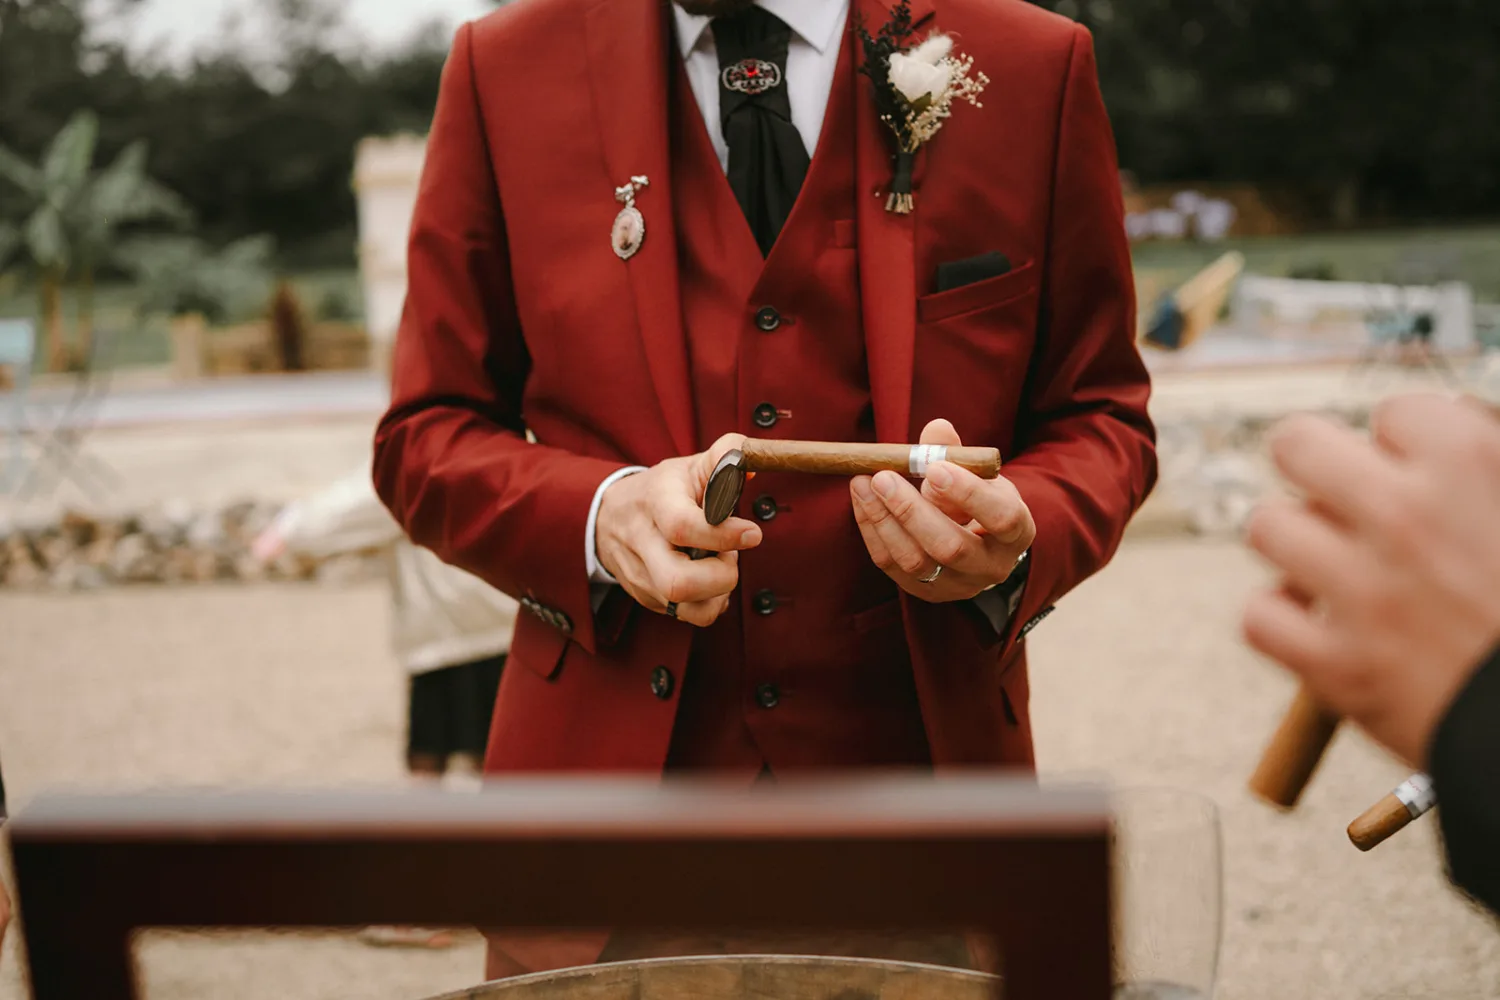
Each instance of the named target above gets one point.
<point>1314,271</point>
<point>182,274</point>
<point>335,307</point>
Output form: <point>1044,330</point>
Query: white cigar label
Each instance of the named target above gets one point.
<point>1416,794</point>
<point>923,455</point>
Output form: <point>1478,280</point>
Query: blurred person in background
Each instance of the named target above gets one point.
<point>4,896</point>
<point>451,632</point>
<point>1389,604</point>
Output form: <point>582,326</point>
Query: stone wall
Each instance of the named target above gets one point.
<point>1213,471</point>
<point>167,544</point>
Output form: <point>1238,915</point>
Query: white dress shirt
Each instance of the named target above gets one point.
<point>812,58</point>
<point>811,61</point>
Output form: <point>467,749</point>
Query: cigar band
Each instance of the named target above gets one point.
<point>923,455</point>
<point>1416,794</point>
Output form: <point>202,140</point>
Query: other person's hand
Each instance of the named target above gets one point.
<point>647,519</point>
<point>1390,595</point>
<point>974,529</point>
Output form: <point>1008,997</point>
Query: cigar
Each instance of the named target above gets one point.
<point>832,459</point>
<point>1294,752</point>
<point>826,458</point>
<point>1377,824</point>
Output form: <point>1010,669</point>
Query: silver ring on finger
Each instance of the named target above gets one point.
<point>671,609</point>
<point>932,577</point>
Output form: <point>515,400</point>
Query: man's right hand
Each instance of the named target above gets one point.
<point>646,520</point>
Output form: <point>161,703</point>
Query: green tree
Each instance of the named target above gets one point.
<point>75,216</point>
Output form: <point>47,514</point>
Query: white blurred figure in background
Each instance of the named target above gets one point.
<point>451,632</point>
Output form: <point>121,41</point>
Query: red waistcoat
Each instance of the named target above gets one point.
<point>809,668</point>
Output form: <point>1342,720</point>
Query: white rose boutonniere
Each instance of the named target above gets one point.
<point>919,82</point>
<point>915,89</point>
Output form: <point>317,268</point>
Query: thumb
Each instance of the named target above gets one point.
<point>942,432</point>
<point>939,431</point>
<point>705,461</point>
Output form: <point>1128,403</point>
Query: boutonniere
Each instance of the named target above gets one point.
<point>915,89</point>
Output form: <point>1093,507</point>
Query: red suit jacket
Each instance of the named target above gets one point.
<point>520,319</point>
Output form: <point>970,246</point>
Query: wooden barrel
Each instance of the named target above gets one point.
<point>744,977</point>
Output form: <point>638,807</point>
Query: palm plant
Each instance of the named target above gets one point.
<point>75,218</point>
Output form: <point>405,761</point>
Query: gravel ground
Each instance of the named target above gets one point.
<point>1139,676</point>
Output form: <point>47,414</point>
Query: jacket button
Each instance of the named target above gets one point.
<point>765,508</point>
<point>764,602</point>
<point>768,319</point>
<point>765,415</point>
<point>662,683</point>
<point>766,696</point>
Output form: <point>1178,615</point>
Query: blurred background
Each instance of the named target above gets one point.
<point>203,206</point>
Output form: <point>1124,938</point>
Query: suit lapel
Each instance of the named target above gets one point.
<point>886,246</point>
<point>629,61</point>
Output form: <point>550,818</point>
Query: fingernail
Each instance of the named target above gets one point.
<point>885,485</point>
<point>750,537</point>
<point>940,477</point>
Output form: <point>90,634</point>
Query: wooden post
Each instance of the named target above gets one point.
<point>188,334</point>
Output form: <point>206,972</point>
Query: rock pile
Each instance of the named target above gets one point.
<point>1213,472</point>
<point>168,544</point>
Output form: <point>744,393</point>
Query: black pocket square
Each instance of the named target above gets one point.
<point>958,273</point>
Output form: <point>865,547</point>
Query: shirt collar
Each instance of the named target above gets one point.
<point>816,22</point>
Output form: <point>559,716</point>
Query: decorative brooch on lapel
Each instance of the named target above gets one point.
<point>915,87</point>
<point>629,230</point>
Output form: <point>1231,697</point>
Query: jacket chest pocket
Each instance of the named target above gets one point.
<point>1016,285</point>
<point>973,351</point>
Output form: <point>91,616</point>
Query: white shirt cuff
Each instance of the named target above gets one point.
<point>597,573</point>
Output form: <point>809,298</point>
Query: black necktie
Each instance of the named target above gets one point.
<point>767,158</point>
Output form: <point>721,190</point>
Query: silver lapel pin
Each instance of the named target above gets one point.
<point>629,230</point>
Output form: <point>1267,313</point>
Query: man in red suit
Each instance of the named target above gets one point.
<point>564,380</point>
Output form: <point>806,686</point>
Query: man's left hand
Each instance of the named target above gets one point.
<point>974,529</point>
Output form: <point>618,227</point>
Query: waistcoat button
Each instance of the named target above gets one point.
<point>764,602</point>
<point>765,415</point>
<point>765,508</point>
<point>662,683</point>
<point>768,319</point>
<point>767,696</point>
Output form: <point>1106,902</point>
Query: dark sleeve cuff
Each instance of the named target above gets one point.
<point>1465,766</point>
<point>994,604</point>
